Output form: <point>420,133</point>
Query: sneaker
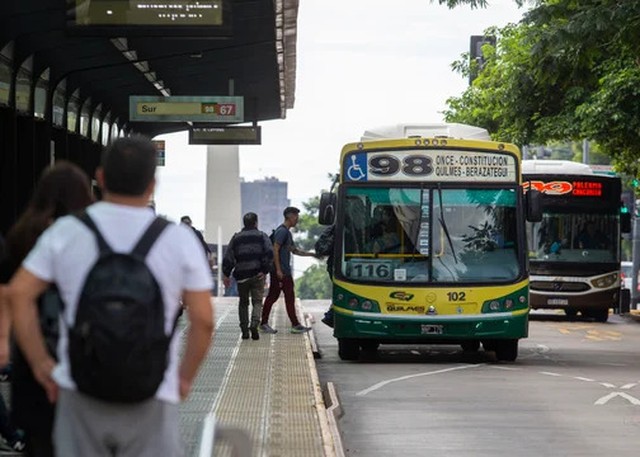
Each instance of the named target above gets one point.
<point>300,329</point>
<point>254,333</point>
<point>266,328</point>
<point>245,334</point>
<point>17,443</point>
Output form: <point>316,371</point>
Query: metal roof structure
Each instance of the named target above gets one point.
<point>258,60</point>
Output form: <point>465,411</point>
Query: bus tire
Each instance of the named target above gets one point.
<point>369,345</point>
<point>507,350</point>
<point>489,345</point>
<point>470,346</point>
<point>348,349</point>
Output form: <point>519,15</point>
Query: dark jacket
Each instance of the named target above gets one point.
<point>249,253</point>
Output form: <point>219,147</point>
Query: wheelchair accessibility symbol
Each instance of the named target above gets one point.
<point>356,171</point>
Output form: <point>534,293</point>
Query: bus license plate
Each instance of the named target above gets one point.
<point>557,301</point>
<point>431,329</point>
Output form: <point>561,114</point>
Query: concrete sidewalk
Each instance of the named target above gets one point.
<point>269,388</point>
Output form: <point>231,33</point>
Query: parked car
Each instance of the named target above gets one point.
<point>626,274</point>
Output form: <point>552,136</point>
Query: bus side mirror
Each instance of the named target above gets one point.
<point>533,205</point>
<point>625,222</point>
<point>327,210</point>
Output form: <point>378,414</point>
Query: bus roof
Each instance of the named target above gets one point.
<point>555,167</point>
<point>451,130</point>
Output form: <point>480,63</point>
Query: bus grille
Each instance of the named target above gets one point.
<point>549,286</point>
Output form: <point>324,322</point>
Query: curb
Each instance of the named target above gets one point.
<point>309,321</point>
<point>331,447</point>
<point>335,412</point>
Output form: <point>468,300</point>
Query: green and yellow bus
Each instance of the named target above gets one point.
<point>430,241</point>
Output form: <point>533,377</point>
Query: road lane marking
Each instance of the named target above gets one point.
<point>498,367</point>
<point>629,386</point>
<point>548,373</point>
<point>579,378</point>
<point>603,400</point>
<point>411,376</point>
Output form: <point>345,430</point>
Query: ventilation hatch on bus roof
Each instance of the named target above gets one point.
<point>452,130</point>
<point>560,167</point>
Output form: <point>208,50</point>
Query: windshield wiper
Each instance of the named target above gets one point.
<point>444,224</point>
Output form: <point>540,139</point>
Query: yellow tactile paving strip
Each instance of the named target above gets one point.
<point>270,392</point>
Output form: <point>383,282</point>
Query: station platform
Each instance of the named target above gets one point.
<point>267,388</point>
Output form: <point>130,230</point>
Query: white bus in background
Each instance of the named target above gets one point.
<point>574,252</point>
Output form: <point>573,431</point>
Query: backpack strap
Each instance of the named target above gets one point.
<point>103,246</point>
<point>149,237</point>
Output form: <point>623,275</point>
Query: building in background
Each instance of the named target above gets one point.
<point>267,198</point>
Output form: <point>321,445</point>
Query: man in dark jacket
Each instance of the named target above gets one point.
<point>249,256</point>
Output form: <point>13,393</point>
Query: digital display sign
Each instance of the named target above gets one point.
<point>579,188</point>
<point>226,134</point>
<point>222,109</point>
<point>150,17</point>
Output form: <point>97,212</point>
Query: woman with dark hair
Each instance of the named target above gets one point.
<point>62,189</point>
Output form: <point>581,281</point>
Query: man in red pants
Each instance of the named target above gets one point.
<point>281,275</point>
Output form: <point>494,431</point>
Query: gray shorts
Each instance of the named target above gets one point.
<point>88,427</point>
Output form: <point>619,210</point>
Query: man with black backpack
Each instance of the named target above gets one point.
<point>281,276</point>
<point>121,272</point>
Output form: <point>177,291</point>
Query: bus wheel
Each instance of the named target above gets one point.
<point>507,350</point>
<point>348,349</point>
<point>369,345</point>
<point>571,312</point>
<point>470,346</point>
<point>489,345</point>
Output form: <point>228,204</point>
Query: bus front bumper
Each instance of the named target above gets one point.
<point>429,329</point>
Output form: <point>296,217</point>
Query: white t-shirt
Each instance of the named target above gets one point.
<point>67,250</point>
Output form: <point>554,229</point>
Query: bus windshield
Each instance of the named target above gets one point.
<point>409,234</point>
<point>575,237</point>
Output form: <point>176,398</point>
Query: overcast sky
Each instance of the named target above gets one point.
<point>360,64</point>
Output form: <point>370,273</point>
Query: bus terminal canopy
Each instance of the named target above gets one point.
<point>107,51</point>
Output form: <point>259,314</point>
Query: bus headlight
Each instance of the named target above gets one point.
<point>605,281</point>
<point>494,305</point>
<point>353,302</point>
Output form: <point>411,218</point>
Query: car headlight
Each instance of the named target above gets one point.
<point>605,281</point>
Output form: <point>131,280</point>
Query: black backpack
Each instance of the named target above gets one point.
<point>118,349</point>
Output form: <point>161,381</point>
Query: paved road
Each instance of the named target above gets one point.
<point>574,391</point>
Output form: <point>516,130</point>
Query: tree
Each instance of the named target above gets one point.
<point>314,284</point>
<point>569,71</point>
<point>308,229</point>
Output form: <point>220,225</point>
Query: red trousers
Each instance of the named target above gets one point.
<point>275,287</point>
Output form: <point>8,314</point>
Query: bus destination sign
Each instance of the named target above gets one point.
<point>184,109</point>
<point>430,165</point>
<point>578,188</point>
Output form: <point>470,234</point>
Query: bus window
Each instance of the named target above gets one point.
<point>476,231</point>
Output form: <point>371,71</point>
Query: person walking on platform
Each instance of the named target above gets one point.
<point>120,272</point>
<point>250,256</point>
<point>186,220</point>
<point>62,189</point>
<point>281,278</point>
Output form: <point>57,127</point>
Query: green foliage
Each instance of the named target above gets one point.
<point>570,70</point>
<point>308,229</point>
<point>314,284</point>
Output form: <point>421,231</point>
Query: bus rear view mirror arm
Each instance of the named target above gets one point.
<point>533,205</point>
